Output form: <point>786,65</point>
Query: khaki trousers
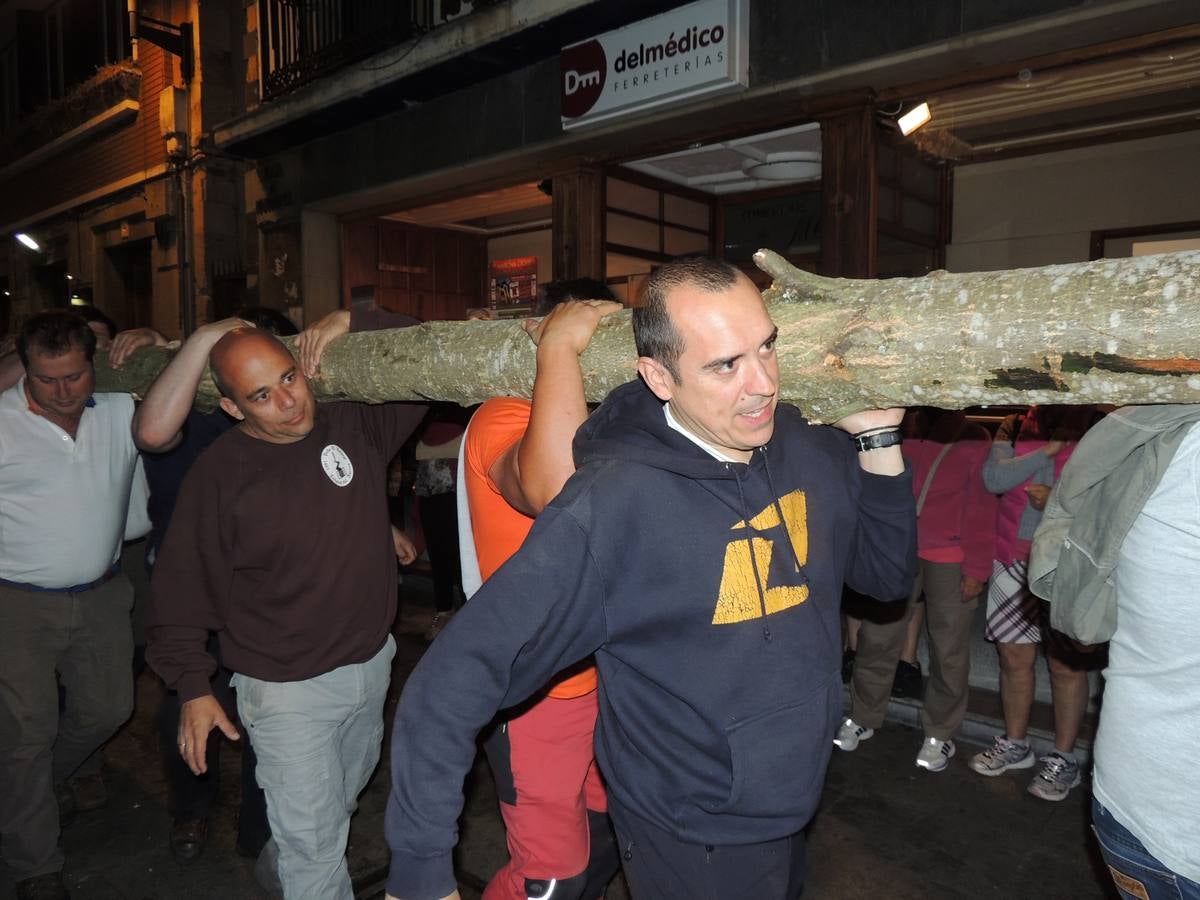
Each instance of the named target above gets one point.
<point>948,621</point>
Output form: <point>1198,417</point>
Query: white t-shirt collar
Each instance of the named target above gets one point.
<point>707,448</point>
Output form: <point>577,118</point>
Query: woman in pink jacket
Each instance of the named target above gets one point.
<point>955,535</point>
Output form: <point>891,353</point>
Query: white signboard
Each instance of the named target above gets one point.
<point>694,51</point>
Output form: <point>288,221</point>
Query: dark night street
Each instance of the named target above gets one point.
<point>884,826</point>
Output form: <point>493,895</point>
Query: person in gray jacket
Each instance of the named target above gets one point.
<point>1118,556</point>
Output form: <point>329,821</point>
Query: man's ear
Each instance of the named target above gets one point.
<point>656,376</point>
<point>230,407</point>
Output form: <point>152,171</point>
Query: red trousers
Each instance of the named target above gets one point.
<point>550,772</point>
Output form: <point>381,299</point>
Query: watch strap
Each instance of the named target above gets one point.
<point>878,440</point>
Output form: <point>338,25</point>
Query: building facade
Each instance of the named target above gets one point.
<point>436,155</point>
<point>104,164</point>
<point>420,175</point>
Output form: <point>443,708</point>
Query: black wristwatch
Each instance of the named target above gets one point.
<point>878,440</point>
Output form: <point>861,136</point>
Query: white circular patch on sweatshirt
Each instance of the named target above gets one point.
<point>337,465</point>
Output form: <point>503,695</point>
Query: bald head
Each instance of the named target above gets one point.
<point>232,351</point>
<point>261,386</point>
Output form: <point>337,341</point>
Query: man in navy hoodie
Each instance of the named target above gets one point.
<point>699,552</point>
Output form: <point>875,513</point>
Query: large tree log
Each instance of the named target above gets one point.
<point>1111,331</point>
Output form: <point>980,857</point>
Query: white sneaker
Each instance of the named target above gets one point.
<point>850,734</point>
<point>935,755</point>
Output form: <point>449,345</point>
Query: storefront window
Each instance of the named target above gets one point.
<point>789,225</point>
<point>682,211</point>
<point>646,223</point>
<point>909,211</point>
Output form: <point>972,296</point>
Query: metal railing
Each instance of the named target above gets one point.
<point>301,40</point>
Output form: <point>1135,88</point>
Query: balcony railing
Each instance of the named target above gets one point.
<point>304,39</point>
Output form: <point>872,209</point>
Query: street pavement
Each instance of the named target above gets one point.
<point>885,828</point>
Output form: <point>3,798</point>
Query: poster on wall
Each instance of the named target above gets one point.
<point>512,284</point>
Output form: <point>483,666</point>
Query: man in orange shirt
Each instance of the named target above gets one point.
<point>516,458</point>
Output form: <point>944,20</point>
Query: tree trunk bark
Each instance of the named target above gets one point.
<point>1112,331</point>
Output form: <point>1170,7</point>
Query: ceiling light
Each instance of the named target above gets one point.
<point>70,277</point>
<point>28,241</point>
<point>8,293</point>
<point>914,119</point>
<point>788,166</point>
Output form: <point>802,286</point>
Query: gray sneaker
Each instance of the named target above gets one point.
<point>1002,756</point>
<point>1055,778</point>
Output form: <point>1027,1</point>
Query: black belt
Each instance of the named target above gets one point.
<point>73,589</point>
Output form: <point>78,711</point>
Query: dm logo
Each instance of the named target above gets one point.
<point>584,68</point>
<point>337,465</point>
<point>738,598</point>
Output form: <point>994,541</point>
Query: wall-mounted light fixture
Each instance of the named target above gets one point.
<point>70,277</point>
<point>28,241</point>
<point>915,118</point>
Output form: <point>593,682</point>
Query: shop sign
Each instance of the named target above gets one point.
<point>512,282</point>
<point>694,51</point>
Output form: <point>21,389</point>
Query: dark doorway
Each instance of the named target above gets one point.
<point>53,286</point>
<point>129,298</point>
<point>229,294</point>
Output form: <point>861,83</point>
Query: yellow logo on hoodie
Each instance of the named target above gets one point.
<point>738,597</point>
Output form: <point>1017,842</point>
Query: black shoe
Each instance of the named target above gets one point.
<point>188,837</point>
<point>89,792</point>
<point>43,887</point>
<point>266,870</point>
<point>908,681</point>
<point>847,665</point>
<point>65,798</point>
<point>248,851</point>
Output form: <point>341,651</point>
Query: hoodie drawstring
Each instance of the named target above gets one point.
<point>788,532</point>
<point>779,510</point>
<point>762,598</point>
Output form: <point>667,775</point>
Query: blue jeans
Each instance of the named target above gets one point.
<point>1137,874</point>
<point>317,742</point>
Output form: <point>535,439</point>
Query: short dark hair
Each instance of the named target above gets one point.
<point>268,319</point>
<point>90,313</point>
<point>565,289</point>
<point>54,333</point>
<point>653,331</point>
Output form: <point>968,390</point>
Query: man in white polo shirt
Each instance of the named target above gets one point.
<point>66,464</point>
